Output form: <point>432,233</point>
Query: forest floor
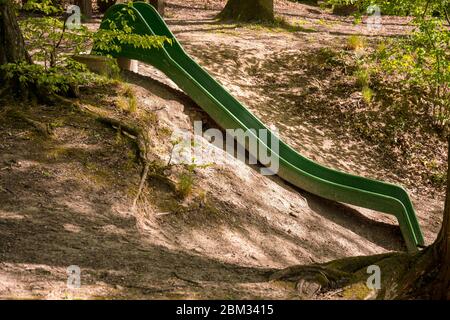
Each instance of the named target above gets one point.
<point>66,199</point>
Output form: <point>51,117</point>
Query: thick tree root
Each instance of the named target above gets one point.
<point>311,279</point>
<point>44,129</point>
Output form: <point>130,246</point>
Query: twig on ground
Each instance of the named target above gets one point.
<point>186,280</point>
<point>6,190</point>
<point>141,185</point>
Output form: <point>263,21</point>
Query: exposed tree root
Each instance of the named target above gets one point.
<point>43,128</point>
<point>141,135</point>
<point>311,279</point>
<point>141,185</point>
<point>185,279</point>
<point>134,132</point>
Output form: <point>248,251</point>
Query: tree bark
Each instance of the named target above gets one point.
<point>442,245</point>
<point>248,10</point>
<point>159,5</point>
<point>345,10</point>
<point>12,45</point>
<point>104,5</point>
<point>443,239</point>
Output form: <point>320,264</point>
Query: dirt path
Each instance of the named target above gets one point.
<point>67,201</point>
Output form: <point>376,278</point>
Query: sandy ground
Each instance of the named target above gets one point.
<point>67,201</point>
<point>271,73</point>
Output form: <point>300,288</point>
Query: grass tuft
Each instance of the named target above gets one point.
<point>367,94</point>
<point>355,43</point>
<point>185,185</point>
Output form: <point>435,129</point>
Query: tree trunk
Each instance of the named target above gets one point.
<point>12,46</point>
<point>85,8</point>
<point>248,10</point>
<point>104,5</point>
<point>159,5</point>
<point>345,9</point>
<point>443,239</point>
<point>442,245</point>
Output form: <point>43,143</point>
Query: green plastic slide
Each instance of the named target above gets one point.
<point>229,113</point>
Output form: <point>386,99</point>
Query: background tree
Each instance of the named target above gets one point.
<point>249,10</point>
<point>85,7</point>
<point>104,5</point>
<point>159,5</point>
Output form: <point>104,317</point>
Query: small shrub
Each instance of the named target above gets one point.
<point>355,43</point>
<point>127,90</point>
<point>185,185</point>
<point>421,62</point>
<point>127,102</point>
<point>122,103</point>
<point>132,104</point>
<point>357,19</point>
<point>51,44</point>
<point>329,57</point>
<point>37,80</point>
<point>438,178</point>
<point>165,131</point>
<point>367,94</point>
<point>362,77</point>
